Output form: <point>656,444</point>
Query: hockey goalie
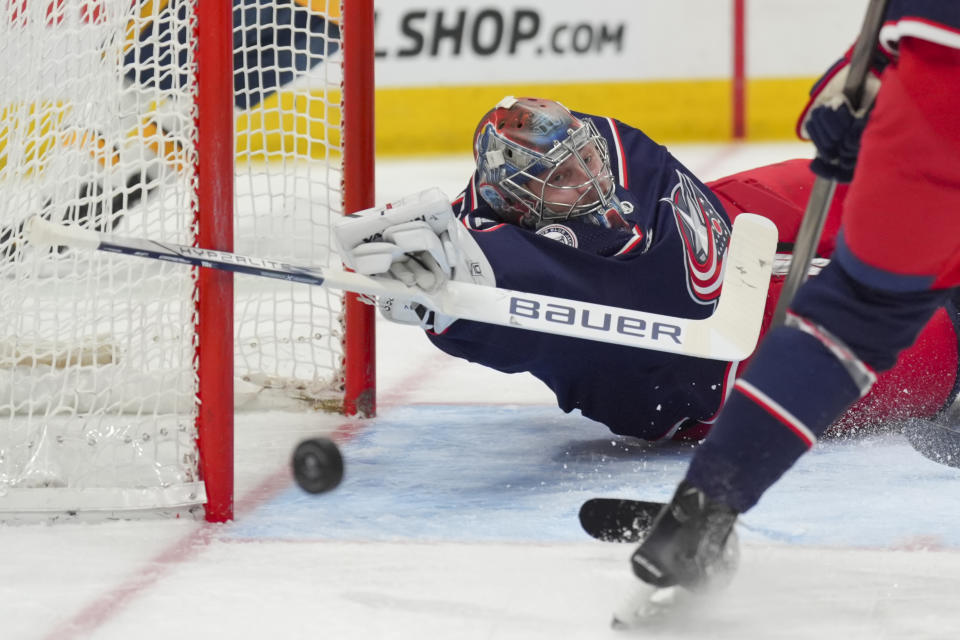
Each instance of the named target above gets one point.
<point>586,207</point>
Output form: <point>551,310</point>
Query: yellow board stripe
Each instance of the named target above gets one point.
<point>288,122</point>
<point>418,121</point>
<point>415,121</point>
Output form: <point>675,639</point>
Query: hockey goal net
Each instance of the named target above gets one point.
<point>246,127</point>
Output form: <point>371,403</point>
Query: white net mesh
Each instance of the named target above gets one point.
<point>98,128</point>
<point>288,164</point>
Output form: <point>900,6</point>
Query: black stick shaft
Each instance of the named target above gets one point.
<point>821,196</point>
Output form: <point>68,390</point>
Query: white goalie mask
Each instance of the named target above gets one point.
<point>537,163</point>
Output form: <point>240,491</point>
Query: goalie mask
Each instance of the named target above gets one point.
<point>537,163</point>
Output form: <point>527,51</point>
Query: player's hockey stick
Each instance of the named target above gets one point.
<point>821,196</point>
<point>729,334</point>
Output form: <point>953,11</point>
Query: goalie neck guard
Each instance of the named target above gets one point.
<point>538,163</point>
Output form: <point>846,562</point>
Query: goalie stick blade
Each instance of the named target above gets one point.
<point>617,519</point>
<point>935,441</point>
<point>730,334</point>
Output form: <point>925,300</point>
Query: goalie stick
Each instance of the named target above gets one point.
<point>730,334</point>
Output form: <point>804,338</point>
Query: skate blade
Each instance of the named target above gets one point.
<point>647,604</point>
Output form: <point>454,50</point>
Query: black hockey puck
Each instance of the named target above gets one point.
<point>936,441</point>
<point>317,465</point>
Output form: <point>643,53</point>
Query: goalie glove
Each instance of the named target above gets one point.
<point>408,240</point>
<point>410,252</point>
<point>831,123</point>
<point>417,241</point>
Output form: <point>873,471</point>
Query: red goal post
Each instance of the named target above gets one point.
<point>358,194</point>
<point>215,347</point>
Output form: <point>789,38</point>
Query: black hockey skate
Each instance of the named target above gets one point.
<point>692,548</point>
<point>939,439</point>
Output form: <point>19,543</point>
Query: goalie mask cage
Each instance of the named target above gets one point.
<point>192,121</point>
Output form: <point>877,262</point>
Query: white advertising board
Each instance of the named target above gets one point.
<point>438,42</point>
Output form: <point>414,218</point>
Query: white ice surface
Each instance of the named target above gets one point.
<point>457,519</point>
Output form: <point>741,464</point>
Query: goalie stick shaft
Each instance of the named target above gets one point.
<point>821,195</point>
<point>730,334</point>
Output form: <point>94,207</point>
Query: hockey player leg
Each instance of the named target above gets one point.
<point>691,550</point>
<point>690,545</point>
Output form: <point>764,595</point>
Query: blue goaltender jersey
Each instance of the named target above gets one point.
<point>660,251</point>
